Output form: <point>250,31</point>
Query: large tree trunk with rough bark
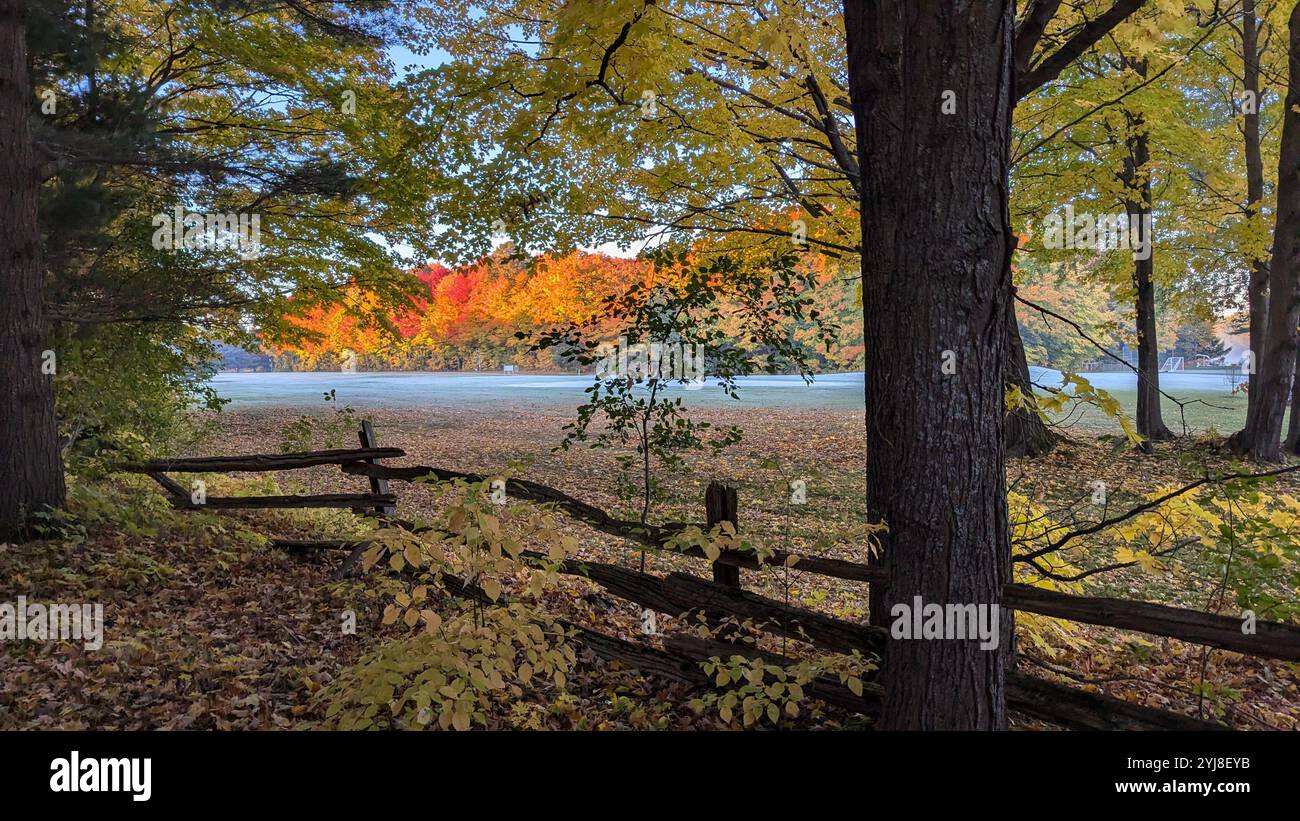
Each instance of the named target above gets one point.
<point>31,470</point>
<point>1261,437</point>
<point>936,288</point>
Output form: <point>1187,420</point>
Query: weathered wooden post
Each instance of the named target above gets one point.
<point>367,437</point>
<point>720,506</point>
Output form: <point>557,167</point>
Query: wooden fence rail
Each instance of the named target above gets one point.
<point>264,462</point>
<point>683,656</point>
<point>348,500</point>
<point>379,501</point>
<point>681,593</point>
<point>1270,639</point>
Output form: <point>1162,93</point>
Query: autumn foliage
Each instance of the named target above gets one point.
<point>467,318</point>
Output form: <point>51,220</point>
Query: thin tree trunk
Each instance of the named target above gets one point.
<point>1026,432</point>
<point>1136,176</point>
<point>31,468</point>
<point>1292,444</point>
<point>936,287</point>
<point>1257,291</point>
<point>1150,421</point>
<point>1261,436</point>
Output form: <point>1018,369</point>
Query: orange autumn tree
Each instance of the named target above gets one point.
<point>464,318</point>
<point>326,336</point>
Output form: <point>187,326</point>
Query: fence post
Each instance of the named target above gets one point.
<point>720,506</point>
<point>367,437</point>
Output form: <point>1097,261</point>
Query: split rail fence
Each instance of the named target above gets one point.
<point>679,593</point>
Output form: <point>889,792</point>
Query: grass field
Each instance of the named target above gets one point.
<point>1202,412</point>
<point>1205,402</point>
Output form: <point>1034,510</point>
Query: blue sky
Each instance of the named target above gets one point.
<point>404,59</point>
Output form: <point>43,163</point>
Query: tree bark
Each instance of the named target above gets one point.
<point>1261,437</point>
<point>936,271</point>
<point>1150,421</point>
<point>1292,443</point>
<point>31,466</point>
<point>1026,432</point>
<point>1257,290</point>
<point>1136,176</point>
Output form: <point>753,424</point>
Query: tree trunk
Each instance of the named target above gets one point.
<point>31,467</point>
<point>1292,444</point>
<point>1257,290</point>
<point>1136,176</point>
<point>936,288</point>
<point>1026,432</point>
<point>1261,436</point>
<point>1150,422</point>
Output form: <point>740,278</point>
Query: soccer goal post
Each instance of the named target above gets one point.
<point>1173,363</point>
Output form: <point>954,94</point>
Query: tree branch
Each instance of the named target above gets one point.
<point>1030,31</point>
<point>1050,67</point>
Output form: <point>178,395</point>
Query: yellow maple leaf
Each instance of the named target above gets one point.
<point>1149,564</point>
